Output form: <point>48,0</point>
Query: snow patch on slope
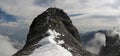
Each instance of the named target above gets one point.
<point>50,47</point>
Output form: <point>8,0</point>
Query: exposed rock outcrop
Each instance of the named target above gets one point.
<point>112,47</point>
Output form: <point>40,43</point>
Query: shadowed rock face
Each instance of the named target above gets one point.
<point>54,19</point>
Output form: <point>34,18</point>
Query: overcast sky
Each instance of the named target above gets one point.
<point>87,15</point>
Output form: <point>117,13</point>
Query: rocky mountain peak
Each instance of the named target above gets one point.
<point>51,32</point>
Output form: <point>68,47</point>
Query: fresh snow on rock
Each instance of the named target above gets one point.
<point>60,42</point>
<point>50,47</point>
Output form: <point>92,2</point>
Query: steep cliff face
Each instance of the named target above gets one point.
<point>53,34</point>
<point>112,47</point>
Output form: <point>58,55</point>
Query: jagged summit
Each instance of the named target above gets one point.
<point>53,33</point>
<point>48,20</point>
<point>55,11</point>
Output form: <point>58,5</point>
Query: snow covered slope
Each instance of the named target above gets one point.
<point>49,47</point>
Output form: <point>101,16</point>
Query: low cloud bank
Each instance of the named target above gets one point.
<point>7,47</point>
<point>95,44</point>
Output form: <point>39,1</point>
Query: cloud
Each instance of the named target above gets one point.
<point>13,33</point>
<point>29,9</point>
<point>6,46</point>
<point>13,26</point>
<point>118,20</point>
<point>95,44</point>
<point>6,17</point>
<point>44,3</point>
<point>94,22</point>
<point>26,9</point>
<point>10,24</point>
<point>14,30</point>
<point>88,6</point>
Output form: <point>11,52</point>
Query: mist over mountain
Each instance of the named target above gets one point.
<point>87,36</point>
